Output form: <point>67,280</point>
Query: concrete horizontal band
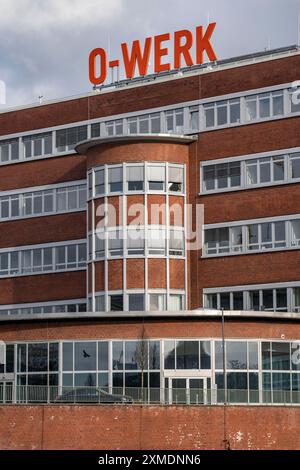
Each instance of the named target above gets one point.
<point>82,147</point>
<point>201,314</point>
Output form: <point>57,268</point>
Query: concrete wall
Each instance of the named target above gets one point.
<point>146,428</point>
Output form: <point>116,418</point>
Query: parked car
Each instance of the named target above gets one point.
<point>91,395</point>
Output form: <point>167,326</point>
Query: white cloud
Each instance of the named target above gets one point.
<point>38,15</point>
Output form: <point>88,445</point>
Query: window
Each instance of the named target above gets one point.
<point>295,166</point>
<point>99,182</point>
<point>264,105</point>
<point>99,244</point>
<point>176,242</point>
<point>95,130</point>
<point>294,99</point>
<point>115,179</point>
<point>194,118</point>
<point>157,302</point>
<point>175,178</point>
<point>156,241</point>
<point>67,139</point>
<point>236,354</point>
<point>227,175</point>
<point>100,303</point>
<point>35,203</point>
<point>41,259</point>
<point>187,355</point>
<point>9,150</point>
<point>221,113</point>
<point>156,176</point>
<point>113,128</point>
<point>295,229</point>
<point>135,241</point>
<point>251,172</point>
<point>175,302</point>
<point>37,145</point>
<point>136,302</point>
<point>217,240</point>
<point>85,356</point>
<point>135,178</point>
<point>252,237</point>
<point>115,243</point>
<point>236,235</point>
<point>211,301</point>
<point>116,302</point>
<point>278,168</point>
<point>174,120</point>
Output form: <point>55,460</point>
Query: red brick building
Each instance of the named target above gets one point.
<point>98,195</point>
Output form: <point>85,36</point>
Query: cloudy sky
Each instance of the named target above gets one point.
<point>44,44</point>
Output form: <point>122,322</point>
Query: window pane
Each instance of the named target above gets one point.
<point>295,166</point>
<point>37,357</point>
<point>268,300</point>
<point>222,175</point>
<point>175,179</point>
<point>264,105</point>
<point>136,355</point>
<point>136,302</point>
<point>236,354</point>
<point>225,300</point>
<point>252,237</point>
<point>266,355</point>
<point>251,108</point>
<point>175,302</point>
<point>157,302</point>
<point>118,355</point>
<point>235,111</point>
<point>205,354</point>
<point>209,177</point>
<point>281,299</point>
<point>265,170</point>
<point>280,356</point>
<point>103,355</point>
<point>85,356</point>
<point>67,356</point>
<point>169,347</point>
<point>212,301</point>
<point>254,300</point>
<point>253,355</point>
<point>209,116</point>
<point>238,301</point>
<point>280,234</point>
<point>221,113</point>
<point>187,353</point>
<point>266,235</point>
<point>236,238</point>
<point>277,103</point>
<point>278,168</point>
<point>235,174</point>
<point>251,172</point>
<point>116,303</point>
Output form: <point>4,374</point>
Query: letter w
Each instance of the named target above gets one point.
<point>136,56</point>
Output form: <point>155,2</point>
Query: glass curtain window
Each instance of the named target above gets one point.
<point>156,177</point>
<point>135,178</point>
<point>175,302</point>
<point>175,179</point>
<point>115,179</point>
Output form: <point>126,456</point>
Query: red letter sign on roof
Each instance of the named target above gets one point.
<point>136,56</point>
<point>203,43</point>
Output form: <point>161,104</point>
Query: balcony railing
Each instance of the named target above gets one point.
<point>34,394</point>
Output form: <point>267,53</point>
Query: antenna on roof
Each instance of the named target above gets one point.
<point>208,18</point>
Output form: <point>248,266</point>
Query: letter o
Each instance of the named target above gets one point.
<point>94,79</point>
